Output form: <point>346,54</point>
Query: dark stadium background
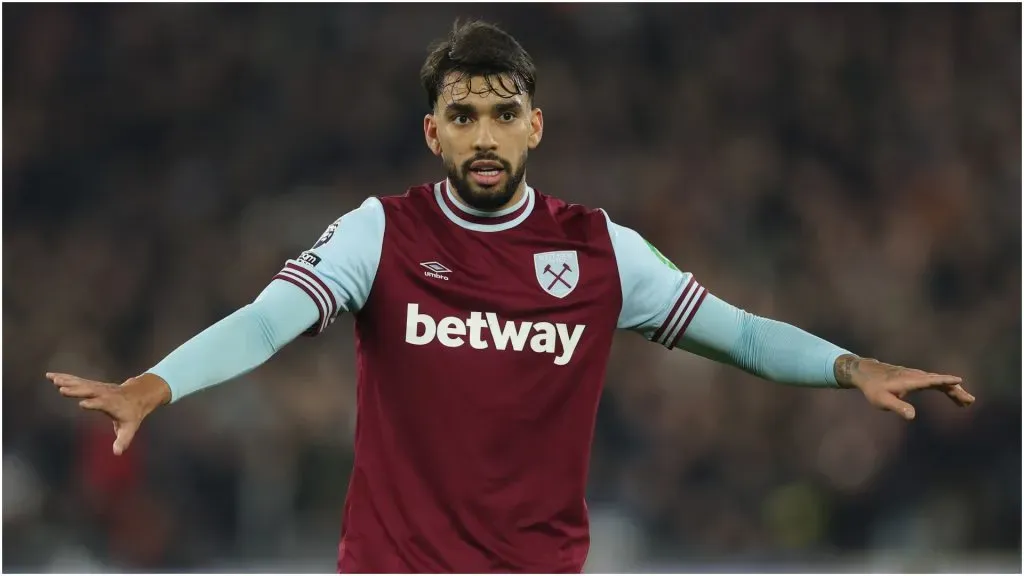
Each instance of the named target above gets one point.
<point>852,169</point>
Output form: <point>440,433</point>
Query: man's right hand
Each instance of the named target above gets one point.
<point>126,404</point>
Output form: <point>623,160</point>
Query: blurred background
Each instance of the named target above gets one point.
<point>852,169</point>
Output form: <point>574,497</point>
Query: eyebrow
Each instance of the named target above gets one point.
<point>508,106</point>
<point>468,109</point>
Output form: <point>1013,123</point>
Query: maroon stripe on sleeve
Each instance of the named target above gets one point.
<point>319,326</point>
<point>328,295</point>
<point>689,317</point>
<point>672,313</point>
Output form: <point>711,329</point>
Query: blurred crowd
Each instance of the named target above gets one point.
<point>851,169</point>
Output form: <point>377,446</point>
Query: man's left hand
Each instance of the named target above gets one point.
<point>885,385</point>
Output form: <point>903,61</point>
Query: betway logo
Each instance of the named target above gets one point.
<point>453,332</point>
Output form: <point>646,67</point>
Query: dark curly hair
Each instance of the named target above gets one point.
<point>476,48</point>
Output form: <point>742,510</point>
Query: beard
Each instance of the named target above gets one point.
<point>485,198</point>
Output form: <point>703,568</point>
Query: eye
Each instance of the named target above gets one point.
<point>507,116</point>
<point>461,119</point>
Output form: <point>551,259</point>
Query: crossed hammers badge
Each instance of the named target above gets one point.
<point>558,272</point>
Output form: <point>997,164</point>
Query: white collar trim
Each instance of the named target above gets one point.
<point>529,199</point>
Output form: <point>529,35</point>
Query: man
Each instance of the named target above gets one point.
<point>484,313</point>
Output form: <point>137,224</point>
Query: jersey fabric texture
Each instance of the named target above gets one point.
<point>482,348</point>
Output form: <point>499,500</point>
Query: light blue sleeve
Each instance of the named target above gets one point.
<point>336,274</point>
<point>658,300</point>
<point>763,347</point>
<point>671,308</point>
<point>238,343</point>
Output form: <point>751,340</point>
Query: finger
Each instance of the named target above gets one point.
<point>893,404</point>
<point>100,405</point>
<point>78,391</point>
<point>56,376</point>
<point>125,434</point>
<point>67,379</point>
<point>960,396</point>
<point>929,381</point>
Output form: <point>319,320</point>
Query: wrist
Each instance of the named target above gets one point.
<point>845,370</point>
<point>150,390</point>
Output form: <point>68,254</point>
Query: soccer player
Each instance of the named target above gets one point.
<point>484,315</point>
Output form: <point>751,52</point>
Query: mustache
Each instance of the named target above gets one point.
<point>489,157</point>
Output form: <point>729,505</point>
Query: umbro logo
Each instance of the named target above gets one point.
<point>435,270</point>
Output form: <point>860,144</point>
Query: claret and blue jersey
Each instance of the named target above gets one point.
<point>482,342</point>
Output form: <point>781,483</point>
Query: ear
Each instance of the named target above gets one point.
<point>536,128</point>
<point>430,134</point>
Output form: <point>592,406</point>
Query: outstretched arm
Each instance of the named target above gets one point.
<point>783,353</point>
<point>670,307</point>
<point>225,350</point>
<point>304,298</point>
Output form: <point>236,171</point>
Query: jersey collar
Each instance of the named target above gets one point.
<point>478,220</point>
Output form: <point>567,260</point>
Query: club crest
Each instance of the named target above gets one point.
<point>558,272</point>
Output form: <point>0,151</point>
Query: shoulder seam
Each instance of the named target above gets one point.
<point>383,219</point>
<point>615,258</point>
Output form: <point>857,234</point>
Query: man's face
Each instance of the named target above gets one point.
<point>483,132</point>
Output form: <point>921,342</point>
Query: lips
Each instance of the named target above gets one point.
<point>484,165</point>
<point>486,172</point>
<point>486,177</point>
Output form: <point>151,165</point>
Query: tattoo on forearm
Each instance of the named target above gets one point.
<point>844,369</point>
<point>849,368</point>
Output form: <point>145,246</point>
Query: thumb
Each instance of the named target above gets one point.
<point>893,404</point>
<point>125,433</point>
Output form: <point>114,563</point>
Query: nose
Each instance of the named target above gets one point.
<point>484,138</point>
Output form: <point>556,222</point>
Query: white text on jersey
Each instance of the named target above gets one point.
<point>422,329</point>
<point>435,270</point>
